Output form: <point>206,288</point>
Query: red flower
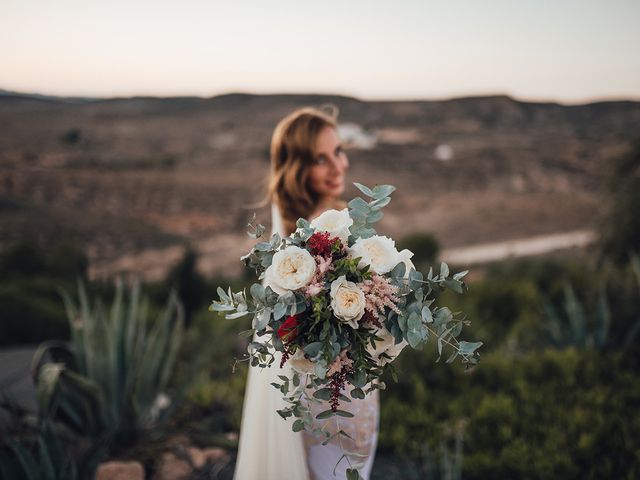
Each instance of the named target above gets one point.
<point>320,243</point>
<point>288,331</point>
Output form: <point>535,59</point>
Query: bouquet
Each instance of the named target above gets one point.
<point>338,304</point>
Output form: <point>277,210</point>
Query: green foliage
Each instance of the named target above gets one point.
<point>571,325</point>
<point>30,278</point>
<point>621,227</point>
<point>587,322</point>
<point>424,246</point>
<point>23,258</point>
<point>111,382</point>
<point>365,214</point>
<point>28,317</point>
<point>546,414</point>
<point>189,284</point>
<point>41,458</point>
<point>48,452</point>
<point>528,411</point>
<point>67,260</point>
<point>62,260</point>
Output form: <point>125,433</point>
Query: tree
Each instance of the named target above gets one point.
<point>621,226</point>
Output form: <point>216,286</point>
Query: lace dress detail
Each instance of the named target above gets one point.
<point>363,430</point>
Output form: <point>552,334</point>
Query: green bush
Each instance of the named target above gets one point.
<point>621,226</point>
<point>551,414</point>
<point>424,246</point>
<point>29,314</point>
<point>30,280</point>
<point>190,285</point>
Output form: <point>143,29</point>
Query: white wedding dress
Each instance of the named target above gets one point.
<point>270,450</point>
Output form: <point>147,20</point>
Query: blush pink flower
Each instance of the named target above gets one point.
<point>379,294</point>
<point>323,266</point>
<point>341,361</point>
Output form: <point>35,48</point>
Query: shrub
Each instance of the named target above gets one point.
<point>621,227</point>
<point>424,246</point>
<point>549,414</point>
<point>29,318</point>
<point>30,279</point>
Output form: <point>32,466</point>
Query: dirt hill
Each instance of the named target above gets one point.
<point>127,175</point>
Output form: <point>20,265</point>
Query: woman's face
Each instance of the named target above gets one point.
<point>326,176</point>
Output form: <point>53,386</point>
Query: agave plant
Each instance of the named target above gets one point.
<point>572,326</point>
<point>110,382</point>
<point>42,457</point>
<point>576,330</point>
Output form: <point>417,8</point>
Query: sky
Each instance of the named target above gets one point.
<point>569,51</point>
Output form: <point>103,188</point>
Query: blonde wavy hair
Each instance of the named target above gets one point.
<point>292,154</point>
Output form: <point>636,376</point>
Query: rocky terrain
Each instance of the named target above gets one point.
<point>136,179</point>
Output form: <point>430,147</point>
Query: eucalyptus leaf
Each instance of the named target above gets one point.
<point>360,378</point>
<point>275,241</point>
<point>468,348</point>
<point>222,294</point>
<point>402,323</point>
<point>261,320</point>
<point>352,474</point>
<point>344,413</point>
<point>279,310</point>
<point>321,370</point>
<point>326,414</point>
<point>257,292</point>
<point>382,191</point>
<point>415,329</point>
<point>442,316</point>
<point>399,270</point>
<point>359,204</point>
<point>382,202</point>
<point>313,349</point>
<point>460,275</point>
<point>357,393</point>
<point>221,307</point>
<point>374,216</point>
<point>303,223</point>
<point>263,247</point>
<point>444,270</point>
<point>322,394</point>
<point>454,285</point>
<point>366,190</point>
<point>426,314</point>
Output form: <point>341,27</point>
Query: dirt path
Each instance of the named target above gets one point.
<point>491,252</point>
<point>220,255</point>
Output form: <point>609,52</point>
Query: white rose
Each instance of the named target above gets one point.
<point>300,363</point>
<point>378,251</point>
<point>387,345</point>
<point>291,269</point>
<point>405,257</point>
<point>336,222</point>
<point>347,301</point>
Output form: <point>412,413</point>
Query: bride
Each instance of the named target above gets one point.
<point>308,166</point>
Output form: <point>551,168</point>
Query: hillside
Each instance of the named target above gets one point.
<point>127,175</point>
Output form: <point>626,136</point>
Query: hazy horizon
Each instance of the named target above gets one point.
<point>336,94</point>
<point>567,52</point>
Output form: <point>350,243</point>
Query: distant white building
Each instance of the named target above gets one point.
<point>443,152</point>
<point>357,137</point>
